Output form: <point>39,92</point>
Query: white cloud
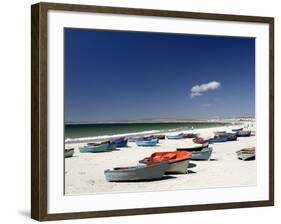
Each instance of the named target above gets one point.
<point>198,90</point>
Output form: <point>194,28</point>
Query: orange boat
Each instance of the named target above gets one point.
<point>178,160</point>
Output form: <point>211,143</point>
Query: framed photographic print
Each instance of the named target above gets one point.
<point>140,111</point>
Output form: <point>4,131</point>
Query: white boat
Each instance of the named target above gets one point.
<point>68,152</point>
<point>137,173</point>
<point>175,136</point>
<point>247,153</point>
<point>178,167</point>
<point>245,133</point>
<point>204,154</point>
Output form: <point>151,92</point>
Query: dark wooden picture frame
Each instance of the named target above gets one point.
<point>39,149</point>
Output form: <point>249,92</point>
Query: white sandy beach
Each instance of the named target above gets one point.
<point>84,172</point>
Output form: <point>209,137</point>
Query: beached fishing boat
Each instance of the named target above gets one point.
<point>148,138</point>
<point>137,173</point>
<point>204,154</point>
<point>190,135</point>
<point>200,140</point>
<point>111,145</point>
<point>217,139</point>
<point>246,153</point>
<point>68,152</point>
<point>178,160</point>
<point>120,142</point>
<point>103,147</point>
<point>147,141</point>
<point>231,137</point>
<point>244,133</point>
<point>237,129</point>
<point>194,148</point>
<point>175,136</point>
<point>160,137</point>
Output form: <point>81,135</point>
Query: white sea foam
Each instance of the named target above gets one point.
<point>132,134</point>
<point>171,131</point>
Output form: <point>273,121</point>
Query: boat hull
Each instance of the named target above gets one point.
<point>232,138</point>
<point>244,133</point>
<point>229,136</point>
<point>200,140</point>
<point>246,155</point>
<point>217,140</point>
<point>68,153</point>
<point>152,172</point>
<point>160,137</point>
<point>204,154</point>
<point>147,142</point>
<point>94,149</point>
<point>112,146</point>
<point>190,135</point>
<point>178,167</point>
<point>171,137</point>
<point>237,130</point>
<point>196,148</point>
<point>120,143</point>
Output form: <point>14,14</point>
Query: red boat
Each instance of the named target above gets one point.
<point>200,140</point>
<point>190,135</point>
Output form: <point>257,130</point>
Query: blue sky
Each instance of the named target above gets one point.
<point>119,75</point>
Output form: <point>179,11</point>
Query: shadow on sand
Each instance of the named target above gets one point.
<point>165,177</point>
<point>191,165</point>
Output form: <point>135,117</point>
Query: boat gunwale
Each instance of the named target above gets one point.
<point>134,168</point>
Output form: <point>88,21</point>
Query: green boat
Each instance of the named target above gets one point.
<point>68,152</point>
<point>103,147</point>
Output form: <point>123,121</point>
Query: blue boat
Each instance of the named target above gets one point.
<point>215,140</point>
<point>147,142</point>
<point>120,142</point>
<point>148,138</point>
<point>237,129</point>
<point>176,136</point>
<point>111,145</point>
<point>229,136</point>
<point>94,148</point>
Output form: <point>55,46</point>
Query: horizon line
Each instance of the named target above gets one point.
<point>159,120</point>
